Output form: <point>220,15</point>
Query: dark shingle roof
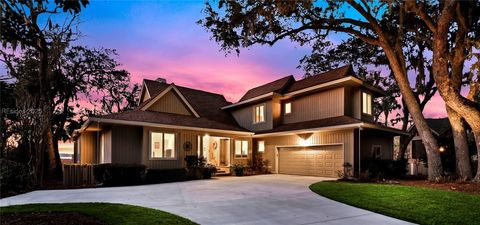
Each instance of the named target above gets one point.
<point>274,86</point>
<point>439,125</point>
<point>171,119</point>
<point>327,122</point>
<point>154,87</point>
<point>208,106</point>
<point>288,83</point>
<point>328,76</point>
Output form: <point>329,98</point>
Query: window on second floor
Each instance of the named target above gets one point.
<point>288,108</point>
<point>366,103</point>
<point>259,114</point>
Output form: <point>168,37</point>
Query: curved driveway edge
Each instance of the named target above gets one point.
<point>264,199</point>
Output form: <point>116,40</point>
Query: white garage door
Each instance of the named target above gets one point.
<point>323,161</point>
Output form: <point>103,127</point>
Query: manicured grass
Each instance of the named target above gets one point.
<point>109,213</point>
<point>413,204</point>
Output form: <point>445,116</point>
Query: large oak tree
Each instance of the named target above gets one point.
<point>237,24</point>
<point>46,27</point>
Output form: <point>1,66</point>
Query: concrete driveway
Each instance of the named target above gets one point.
<point>266,199</point>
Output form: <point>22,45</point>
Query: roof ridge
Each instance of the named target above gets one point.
<point>328,71</point>
<point>184,87</point>
<point>272,82</point>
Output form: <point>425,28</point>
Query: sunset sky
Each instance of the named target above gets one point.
<point>162,39</point>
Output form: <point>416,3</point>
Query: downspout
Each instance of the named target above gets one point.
<point>359,152</point>
<point>99,154</point>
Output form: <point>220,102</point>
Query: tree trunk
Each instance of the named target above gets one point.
<point>476,133</point>
<point>435,170</point>
<point>446,86</point>
<point>404,141</point>
<point>55,164</point>
<point>462,162</point>
<point>58,161</point>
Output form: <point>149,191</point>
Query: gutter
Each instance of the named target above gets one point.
<point>282,133</point>
<point>139,123</point>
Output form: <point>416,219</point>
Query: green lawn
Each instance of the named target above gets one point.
<point>417,205</point>
<point>108,213</point>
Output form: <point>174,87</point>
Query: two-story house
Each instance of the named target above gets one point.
<point>310,126</point>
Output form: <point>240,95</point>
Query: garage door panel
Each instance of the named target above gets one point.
<point>311,161</point>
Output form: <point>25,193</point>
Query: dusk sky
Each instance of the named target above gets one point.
<point>161,39</point>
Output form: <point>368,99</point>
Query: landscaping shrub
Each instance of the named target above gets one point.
<point>238,169</point>
<point>384,169</point>
<point>197,168</point>
<point>166,175</point>
<point>208,171</point>
<point>117,174</point>
<point>14,178</point>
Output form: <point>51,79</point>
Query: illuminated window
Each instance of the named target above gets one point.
<point>241,149</point>
<point>261,146</point>
<point>288,108</point>
<point>259,114</point>
<point>366,103</point>
<point>162,145</point>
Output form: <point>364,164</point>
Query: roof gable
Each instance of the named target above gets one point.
<point>170,100</point>
<point>170,103</point>
<point>206,104</point>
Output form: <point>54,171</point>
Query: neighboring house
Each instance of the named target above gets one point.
<point>415,152</point>
<point>305,127</point>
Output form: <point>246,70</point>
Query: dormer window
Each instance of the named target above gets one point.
<point>366,103</point>
<point>288,108</point>
<point>259,114</point>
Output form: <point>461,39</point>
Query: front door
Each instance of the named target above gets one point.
<point>214,151</point>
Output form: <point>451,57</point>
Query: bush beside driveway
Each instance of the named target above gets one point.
<point>417,205</point>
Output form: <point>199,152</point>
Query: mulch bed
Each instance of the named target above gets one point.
<point>468,187</point>
<point>59,218</point>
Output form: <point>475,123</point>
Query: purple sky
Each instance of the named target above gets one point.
<point>161,39</point>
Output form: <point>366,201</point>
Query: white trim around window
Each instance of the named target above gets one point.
<point>259,113</point>
<point>288,108</point>
<point>162,146</point>
<point>366,103</point>
<point>241,149</point>
<point>261,146</point>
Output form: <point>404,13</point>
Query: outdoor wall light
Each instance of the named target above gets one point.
<point>441,149</point>
<point>304,142</point>
<point>304,139</point>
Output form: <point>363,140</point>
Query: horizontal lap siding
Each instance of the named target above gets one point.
<point>321,105</point>
<point>318,138</point>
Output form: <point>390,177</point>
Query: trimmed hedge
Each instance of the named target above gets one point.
<point>166,175</point>
<point>116,174</point>
<point>383,168</point>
